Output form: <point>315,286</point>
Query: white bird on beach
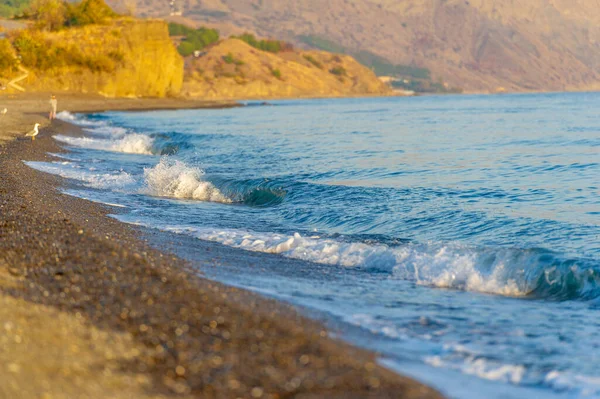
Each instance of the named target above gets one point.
<point>4,111</point>
<point>33,132</point>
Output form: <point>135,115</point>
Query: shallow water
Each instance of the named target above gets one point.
<point>457,235</point>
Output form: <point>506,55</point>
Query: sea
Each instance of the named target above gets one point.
<point>458,236</point>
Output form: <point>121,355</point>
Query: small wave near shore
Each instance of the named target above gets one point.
<point>533,273</point>
<point>105,137</point>
<point>169,178</point>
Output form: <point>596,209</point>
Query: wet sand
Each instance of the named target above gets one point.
<point>89,309</point>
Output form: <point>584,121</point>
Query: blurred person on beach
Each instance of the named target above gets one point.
<point>53,106</point>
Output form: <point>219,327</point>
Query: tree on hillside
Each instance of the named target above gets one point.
<point>7,57</point>
<point>56,14</point>
<point>89,12</point>
<point>10,8</point>
<point>48,14</point>
<point>195,39</point>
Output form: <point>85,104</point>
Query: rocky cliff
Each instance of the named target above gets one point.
<point>234,70</point>
<point>129,58</point>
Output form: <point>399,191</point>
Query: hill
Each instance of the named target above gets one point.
<point>125,58</point>
<point>480,45</point>
<point>232,69</point>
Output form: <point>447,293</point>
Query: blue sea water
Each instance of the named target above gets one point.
<point>459,236</point>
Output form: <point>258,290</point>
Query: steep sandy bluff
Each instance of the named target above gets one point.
<point>146,63</point>
<point>234,70</point>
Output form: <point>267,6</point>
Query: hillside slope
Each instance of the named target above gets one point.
<point>234,70</point>
<point>476,44</point>
<point>127,58</point>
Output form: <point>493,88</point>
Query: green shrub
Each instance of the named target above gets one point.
<point>276,73</point>
<point>11,8</point>
<point>117,56</point>
<point>271,46</point>
<point>7,57</point>
<point>313,61</point>
<point>179,29</point>
<point>230,59</point>
<point>88,12</point>
<point>49,14</point>
<point>38,53</point>
<point>56,14</point>
<point>100,63</point>
<point>186,48</point>
<point>195,39</point>
<point>31,48</point>
<point>338,71</point>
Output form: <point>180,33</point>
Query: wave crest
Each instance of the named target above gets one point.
<point>177,180</point>
<point>134,143</point>
<point>509,272</point>
<point>77,120</point>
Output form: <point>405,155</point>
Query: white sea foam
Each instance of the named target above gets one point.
<point>66,116</point>
<point>461,358</point>
<point>118,180</point>
<point>482,368</point>
<point>311,249</point>
<point>95,127</point>
<point>132,143</point>
<point>177,180</point>
<point>377,326</point>
<point>584,385</point>
<point>167,179</point>
<point>105,137</point>
<point>440,265</point>
<point>460,267</point>
<point>80,121</point>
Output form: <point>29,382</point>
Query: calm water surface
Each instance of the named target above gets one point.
<point>458,235</point>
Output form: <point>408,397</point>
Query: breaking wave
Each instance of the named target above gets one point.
<point>106,137</point>
<point>133,143</point>
<point>169,178</point>
<point>533,273</point>
<point>78,120</point>
<point>177,180</point>
<point>113,181</point>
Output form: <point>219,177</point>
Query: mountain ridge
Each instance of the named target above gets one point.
<point>479,45</point>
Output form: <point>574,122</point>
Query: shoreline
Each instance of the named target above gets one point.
<point>81,285</point>
<point>25,109</point>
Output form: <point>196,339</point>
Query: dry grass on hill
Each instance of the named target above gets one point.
<point>233,69</point>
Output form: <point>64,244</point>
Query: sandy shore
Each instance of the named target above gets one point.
<point>24,110</point>
<point>90,310</point>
